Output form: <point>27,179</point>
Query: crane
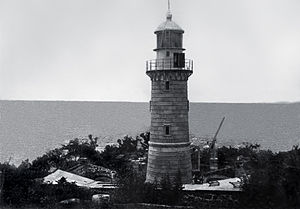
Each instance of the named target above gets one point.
<point>213,162</point>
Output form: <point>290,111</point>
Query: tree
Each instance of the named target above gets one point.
<point>274,180</point>
<point>81,148</point>
<point>171,190</point>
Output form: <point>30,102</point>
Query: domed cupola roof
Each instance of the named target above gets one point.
<point>169,24</point>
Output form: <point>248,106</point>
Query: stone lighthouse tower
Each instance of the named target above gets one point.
<point>169,147</point>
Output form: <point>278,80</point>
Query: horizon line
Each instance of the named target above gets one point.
<point>123,101</point>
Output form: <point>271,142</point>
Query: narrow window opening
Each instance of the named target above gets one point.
<point>167,130</point>
<point>167,53</point>
<point>167,85</point>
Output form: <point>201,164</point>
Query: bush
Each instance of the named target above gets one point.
<point>274,180</point>
<point>132,188</point>
<point>19,189</point>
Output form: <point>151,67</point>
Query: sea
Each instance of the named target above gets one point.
<point>28,129</point>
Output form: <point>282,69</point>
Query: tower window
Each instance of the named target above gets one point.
<point>167,129</point>
<point>168,53</point>
<point>167,85</point>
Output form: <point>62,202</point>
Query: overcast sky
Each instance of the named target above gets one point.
<point>243,50</point>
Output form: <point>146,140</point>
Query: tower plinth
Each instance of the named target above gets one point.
<point>169,146</point>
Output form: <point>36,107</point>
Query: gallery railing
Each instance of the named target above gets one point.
<point>169,64</point>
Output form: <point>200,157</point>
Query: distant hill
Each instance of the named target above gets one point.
<point>29,128</point>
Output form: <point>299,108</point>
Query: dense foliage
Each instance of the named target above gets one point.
<point>274,180</point>
<point>21,188</point>
<point>22,185</point>
<point>132,188</point>
<point>116,157</point>
<point>231,158</point>
<point>270,180</point>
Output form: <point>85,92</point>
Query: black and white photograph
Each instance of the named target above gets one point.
<point>150,104</point>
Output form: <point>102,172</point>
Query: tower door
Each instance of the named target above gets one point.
<point>179,60</point>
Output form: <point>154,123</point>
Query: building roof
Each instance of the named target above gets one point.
<point>169,24</point>
<point>231,184</point>
<point>74,178</point>
<point>95,172</point>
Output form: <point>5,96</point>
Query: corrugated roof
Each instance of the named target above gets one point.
<point>73,178</point>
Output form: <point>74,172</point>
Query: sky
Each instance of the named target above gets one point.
<point>95,50</point>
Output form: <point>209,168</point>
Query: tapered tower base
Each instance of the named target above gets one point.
<point>169,159</point>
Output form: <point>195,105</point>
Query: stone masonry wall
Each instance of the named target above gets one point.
<point>148,206</point>
<point>169,107</point>
<point>213,199</point>
<point>169,153</point>
<point>169,160</point>
<point>196,200</point>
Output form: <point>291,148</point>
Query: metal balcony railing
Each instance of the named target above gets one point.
<point>169,64</point>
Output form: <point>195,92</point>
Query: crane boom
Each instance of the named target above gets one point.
<point>216,134</point>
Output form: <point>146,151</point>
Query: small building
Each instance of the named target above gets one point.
<point>215,194</point>
<point>78,180</point>
<point>230,184</point>
<point>95,172</point>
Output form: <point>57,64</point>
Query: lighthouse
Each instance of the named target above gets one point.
<point>169,147</point>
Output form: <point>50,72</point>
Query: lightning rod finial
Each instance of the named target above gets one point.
<point>169,14</point>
